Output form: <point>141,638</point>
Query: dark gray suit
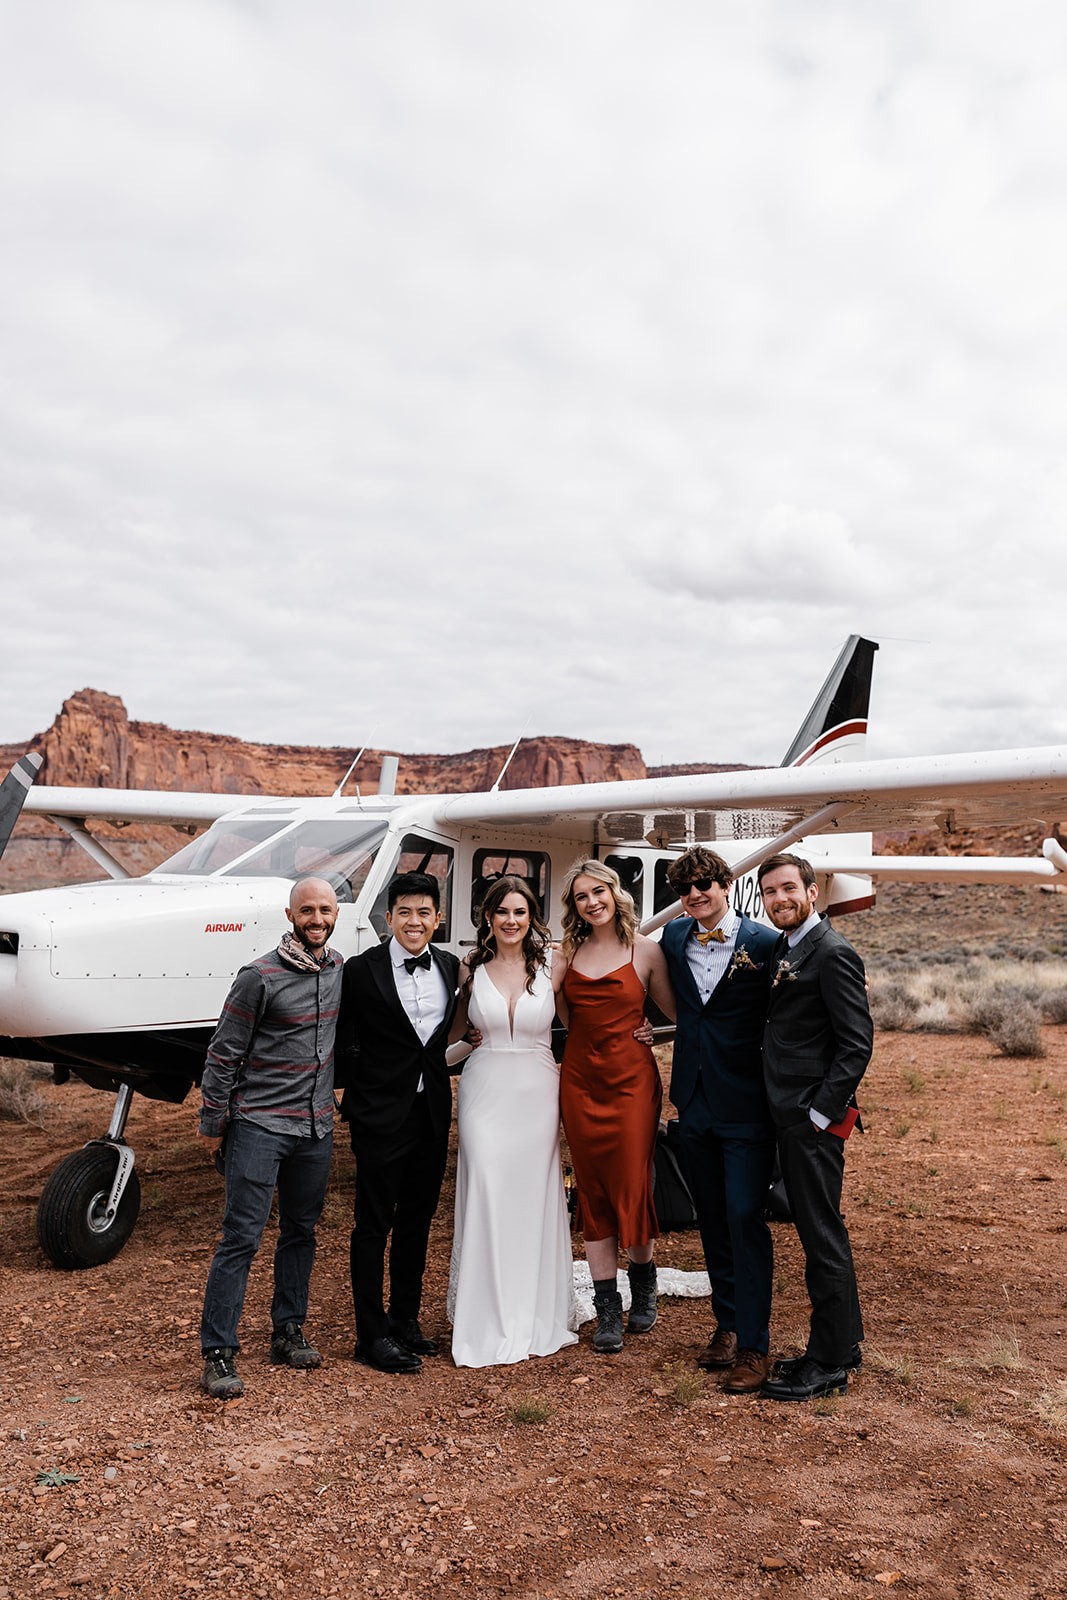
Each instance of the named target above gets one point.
<point>816,1049</point>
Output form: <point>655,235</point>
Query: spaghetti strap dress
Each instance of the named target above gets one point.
<point>610,1099</point>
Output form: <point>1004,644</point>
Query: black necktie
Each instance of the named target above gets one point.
<point>411,962</point>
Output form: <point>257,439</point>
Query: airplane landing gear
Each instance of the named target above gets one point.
<point>90,1204</point>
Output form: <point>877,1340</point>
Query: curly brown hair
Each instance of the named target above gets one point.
<point>699,862</point>
<point>537,937</point>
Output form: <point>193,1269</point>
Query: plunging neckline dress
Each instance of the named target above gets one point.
<point>511,1285</point>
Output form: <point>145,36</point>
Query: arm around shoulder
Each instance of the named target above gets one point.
<point>654,975</point>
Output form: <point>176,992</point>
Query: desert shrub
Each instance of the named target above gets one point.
<point>892,1006</point>
<point>937,1016</point>
<point>1054,1004</point>
<point>21,1099</point>
<point>991,1002</point>
<point>1018,1032</point>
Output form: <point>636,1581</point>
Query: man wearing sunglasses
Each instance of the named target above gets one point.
<point>720,967</point>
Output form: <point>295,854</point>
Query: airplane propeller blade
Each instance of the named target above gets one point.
<point>13,791</point>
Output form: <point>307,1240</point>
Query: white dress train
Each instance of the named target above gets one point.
<point>511,1286</point>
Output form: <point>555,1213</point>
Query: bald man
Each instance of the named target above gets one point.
<point>267,1099</point>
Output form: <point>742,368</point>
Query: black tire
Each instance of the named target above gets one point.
<point>71,1228</point>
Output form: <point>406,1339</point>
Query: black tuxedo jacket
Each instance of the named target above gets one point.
<point>819,1034</point>
<point>380,1057</point>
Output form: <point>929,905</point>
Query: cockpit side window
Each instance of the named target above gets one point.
<point>339,850</point>
<point>222,843</point>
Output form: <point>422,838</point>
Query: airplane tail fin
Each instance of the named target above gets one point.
<point>13,791</point>
<point>835,729</point>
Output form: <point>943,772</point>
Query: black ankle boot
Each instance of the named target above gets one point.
<point>642,1276</point>
<point>607,1340</point>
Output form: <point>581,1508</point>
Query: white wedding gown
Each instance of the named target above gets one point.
<point>511,1287</point>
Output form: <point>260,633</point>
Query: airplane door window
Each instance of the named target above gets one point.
<point>664,895</point>
<point>488,865</point>
<point>418,854</point>
<point>631,870</point>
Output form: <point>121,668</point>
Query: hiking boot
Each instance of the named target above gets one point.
<point>607,1340</point>
<point>219,1378</point>
<point>289,1348</point>
<point>642,1276</point>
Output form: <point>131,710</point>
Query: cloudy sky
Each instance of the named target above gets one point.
<point>419,373</point>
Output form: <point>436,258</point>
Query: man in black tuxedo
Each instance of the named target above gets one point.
<point>816,1049</point>
<point>397,1003</point>
<point>720,968</point>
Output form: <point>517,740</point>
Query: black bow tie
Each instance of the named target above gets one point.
<point>411,962</point>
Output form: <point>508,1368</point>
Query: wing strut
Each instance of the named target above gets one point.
<point>92,847</point>
<point>823,818</point>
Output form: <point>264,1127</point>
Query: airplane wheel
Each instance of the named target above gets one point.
<point>72,1228</point>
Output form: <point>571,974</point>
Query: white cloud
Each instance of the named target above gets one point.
<point>440,368</point>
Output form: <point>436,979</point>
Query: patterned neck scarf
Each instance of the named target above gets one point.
<point>297,955</point>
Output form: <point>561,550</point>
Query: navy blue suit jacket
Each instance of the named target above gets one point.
<point>722,1042</point>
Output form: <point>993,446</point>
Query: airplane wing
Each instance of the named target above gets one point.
<point>135,805</point>
<point>949,793</point>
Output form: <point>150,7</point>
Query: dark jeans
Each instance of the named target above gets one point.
<point>813,1166</point>
<point>729,1175</point>
<point>257,1163</point>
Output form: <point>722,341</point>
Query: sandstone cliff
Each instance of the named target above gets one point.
<point>93,743</point>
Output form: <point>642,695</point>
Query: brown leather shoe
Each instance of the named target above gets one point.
<point>721,1352</point>
<point>748,1374</point>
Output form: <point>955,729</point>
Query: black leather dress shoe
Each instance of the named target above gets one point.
<point>387,1356</point>
<point>411,1337</point>
<point>787,1365</point>
<point>808,1380</point>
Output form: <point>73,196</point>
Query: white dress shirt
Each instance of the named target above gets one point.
<point>708,962</point>
<point>424,995</point>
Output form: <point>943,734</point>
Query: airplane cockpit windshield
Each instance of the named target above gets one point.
<point>341,851</point>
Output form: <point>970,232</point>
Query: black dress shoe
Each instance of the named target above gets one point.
<point>808,1380</point>
<point>387,1356</point>
<point>787,1365</point>
<point>411,1337</point>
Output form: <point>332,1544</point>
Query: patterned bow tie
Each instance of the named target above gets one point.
<point>713,936</point>
<point>411,962</point>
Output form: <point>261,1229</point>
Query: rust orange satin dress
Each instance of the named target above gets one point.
<point>610,1098</point>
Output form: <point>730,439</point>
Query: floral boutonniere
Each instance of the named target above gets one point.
<point>743,962</point>
<point>784,974</point>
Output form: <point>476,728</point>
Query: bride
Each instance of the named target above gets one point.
<point>510,1292</point>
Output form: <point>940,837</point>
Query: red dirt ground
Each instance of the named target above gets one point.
<point>941,1474</point>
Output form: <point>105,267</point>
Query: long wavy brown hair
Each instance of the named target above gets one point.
<point>575,929</point>
<point>537,937</point>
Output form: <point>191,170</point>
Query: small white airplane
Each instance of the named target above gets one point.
<point>120,982</point>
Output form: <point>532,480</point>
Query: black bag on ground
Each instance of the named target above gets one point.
<point>675,1210</point>
<point>778,1208</point>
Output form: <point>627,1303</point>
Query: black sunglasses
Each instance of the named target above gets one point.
<point>703,884</point>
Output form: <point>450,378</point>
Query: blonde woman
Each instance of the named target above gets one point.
<point>610,1091</point>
